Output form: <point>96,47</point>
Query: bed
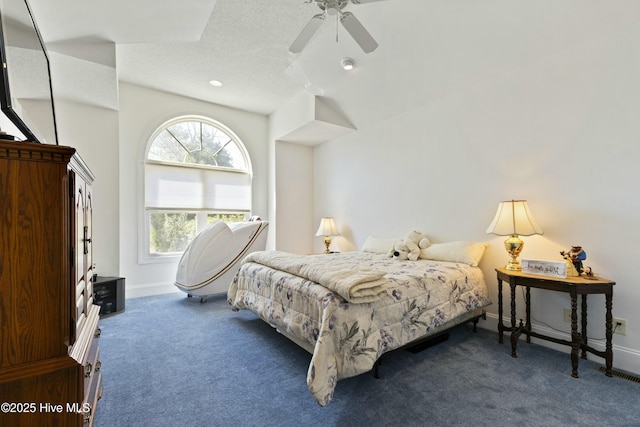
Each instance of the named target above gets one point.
<point>397,303</point>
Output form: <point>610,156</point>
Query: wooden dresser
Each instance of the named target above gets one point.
<point>49,354</point>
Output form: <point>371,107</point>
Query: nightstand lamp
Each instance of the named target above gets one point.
<point>327,229</point>
<point>514,219</point>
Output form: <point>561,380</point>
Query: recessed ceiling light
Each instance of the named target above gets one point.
<point>348,64</point>
<point>215,83</point>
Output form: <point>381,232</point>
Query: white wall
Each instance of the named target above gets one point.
<point>89,123</point>
<point>556,125</point>
<point>142,111</point>
<point>294,198</point>
<point>93,132</point>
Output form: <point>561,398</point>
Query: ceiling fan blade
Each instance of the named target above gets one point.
<point>307,32</point>
<point>358,32</point>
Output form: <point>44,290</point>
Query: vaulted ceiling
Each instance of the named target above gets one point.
<point>426,47</point>
<point>179,47</point>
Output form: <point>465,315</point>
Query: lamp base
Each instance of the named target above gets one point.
<point>327,243</point>
<point>513,265</point>
<point>514,246</point>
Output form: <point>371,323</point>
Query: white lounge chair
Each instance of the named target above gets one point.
<point>213,257</point>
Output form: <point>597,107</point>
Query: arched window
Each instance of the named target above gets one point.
<point>196,171</point>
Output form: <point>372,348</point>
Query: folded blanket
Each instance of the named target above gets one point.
<point>354,283</point>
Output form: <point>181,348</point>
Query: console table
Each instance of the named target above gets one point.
<point>574,286</point>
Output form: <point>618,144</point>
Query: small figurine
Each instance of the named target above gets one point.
<point>576,255</point>
<point>589,272</point>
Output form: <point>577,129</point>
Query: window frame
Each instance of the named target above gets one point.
<point>145,255</point>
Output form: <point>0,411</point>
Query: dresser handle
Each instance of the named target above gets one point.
<point>87,369</point>
<point>98,366</point>
<point>97,332</point>
<point>87,414</point>
<point>86,239</point>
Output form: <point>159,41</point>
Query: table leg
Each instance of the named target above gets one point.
<point>500,324</point>
<point>583,312</point>
<point>609,334</point>
<point>515,333</point>
<point>528,310</point>
<point>575,336</point>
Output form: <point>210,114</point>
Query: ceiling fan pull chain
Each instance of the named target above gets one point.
<point>337,26</point>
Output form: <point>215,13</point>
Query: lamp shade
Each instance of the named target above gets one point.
<point>513,217</point>
<point>327,227</point>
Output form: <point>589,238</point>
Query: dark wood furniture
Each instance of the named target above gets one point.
<point>49,354</point>
<point>108,294</point>
<point>574,286</point>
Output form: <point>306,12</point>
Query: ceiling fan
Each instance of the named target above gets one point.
<point>347,19</point>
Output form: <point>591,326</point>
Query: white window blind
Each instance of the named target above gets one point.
<point>176,187</point>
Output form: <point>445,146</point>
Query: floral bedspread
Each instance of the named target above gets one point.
<point>348,338</point>
<point>352,281</point>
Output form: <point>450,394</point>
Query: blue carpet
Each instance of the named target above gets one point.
<point>169,360</point>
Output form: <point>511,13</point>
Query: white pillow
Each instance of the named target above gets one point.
<point>466,252</point>
<point>379,245</point>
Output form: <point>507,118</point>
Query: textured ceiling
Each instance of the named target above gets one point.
<point>122,21</point>
<point>244,45</point>
<point>179,47</point>
<point>427,48</point>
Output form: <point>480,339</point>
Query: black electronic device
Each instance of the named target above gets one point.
<point>108,293</point>
<point>26,95</point>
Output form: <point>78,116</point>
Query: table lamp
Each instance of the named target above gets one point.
<point>514,219</point>
<point>327,229</point>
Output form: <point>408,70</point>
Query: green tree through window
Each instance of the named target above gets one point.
<point>171,232</point>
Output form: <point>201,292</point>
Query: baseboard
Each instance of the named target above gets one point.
<point>149,289</point>
<point>624,359</point>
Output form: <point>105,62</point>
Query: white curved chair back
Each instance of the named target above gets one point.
<point>213,257</point>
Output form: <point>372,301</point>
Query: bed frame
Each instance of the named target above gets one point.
<point>439,335</point>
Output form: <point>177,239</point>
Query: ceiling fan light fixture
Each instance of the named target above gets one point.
<point>348,64</point>
<point>347,19</point>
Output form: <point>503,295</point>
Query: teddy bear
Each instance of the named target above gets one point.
<point>399,251</point>
<point>415,241</point>
<point>410,247</point>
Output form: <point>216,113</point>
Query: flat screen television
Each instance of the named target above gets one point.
<point>26,96</point>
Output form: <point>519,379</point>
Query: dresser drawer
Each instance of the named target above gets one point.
<point>92,379</point>
<point>92,364</point>
<point>91,400</point>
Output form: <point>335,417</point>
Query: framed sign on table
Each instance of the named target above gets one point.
<point>545,268</point>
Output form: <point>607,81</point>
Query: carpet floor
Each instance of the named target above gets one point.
<point>169,360</point>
